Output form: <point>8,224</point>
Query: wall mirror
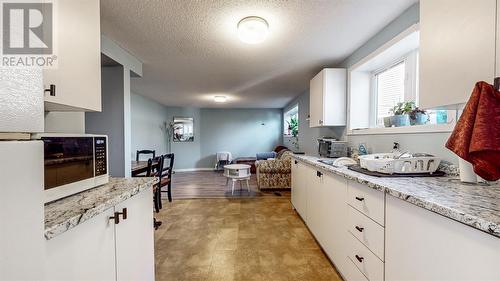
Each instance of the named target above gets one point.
<point>183,129</point>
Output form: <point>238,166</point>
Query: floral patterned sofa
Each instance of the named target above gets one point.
<point>275,173</point>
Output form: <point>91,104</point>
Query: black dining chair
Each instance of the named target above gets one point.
<point>145,152</point>
<point>167,171</point>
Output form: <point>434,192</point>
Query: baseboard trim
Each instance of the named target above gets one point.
<point>193,170</point>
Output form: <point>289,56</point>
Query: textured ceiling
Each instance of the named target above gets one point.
<point>191,52</point>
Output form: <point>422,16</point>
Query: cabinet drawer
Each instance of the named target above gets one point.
<point>367,231</point>
<point>352,273</point>
<point>366,200</point>
<point>371,266</point>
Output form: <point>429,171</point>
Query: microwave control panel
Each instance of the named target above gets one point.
<point>101,165</point>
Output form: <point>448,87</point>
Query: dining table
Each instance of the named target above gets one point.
<point>139,167</point>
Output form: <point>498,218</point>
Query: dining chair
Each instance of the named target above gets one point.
<point>167,171</point>
<point>145,152</point>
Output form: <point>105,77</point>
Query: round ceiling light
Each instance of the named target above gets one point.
<point>253,30</point>
<point>220,99</point>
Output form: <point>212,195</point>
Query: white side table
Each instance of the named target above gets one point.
<point>237,172</point>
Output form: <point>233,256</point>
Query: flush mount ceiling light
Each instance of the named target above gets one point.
<point>220,99</point>
<point>253,30</point>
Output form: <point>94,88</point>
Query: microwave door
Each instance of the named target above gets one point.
<point>68,160</point>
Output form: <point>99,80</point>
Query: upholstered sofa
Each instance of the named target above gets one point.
<point>275,173</point>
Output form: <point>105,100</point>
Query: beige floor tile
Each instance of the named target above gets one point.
<point>237,240</point>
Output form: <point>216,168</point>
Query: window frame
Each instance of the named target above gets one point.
<point>285,115</point>
<point>410,60</point>
<point>428,128</point>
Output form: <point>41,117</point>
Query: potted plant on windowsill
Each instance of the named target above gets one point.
<point>401,112</point>
<point>293,129</point>
<point>418,117</point>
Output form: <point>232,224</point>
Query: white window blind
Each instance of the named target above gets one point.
<point>390,90</point>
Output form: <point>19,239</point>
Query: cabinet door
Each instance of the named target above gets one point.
<point>78,74</point>
<point>295,185</point>
<point>135,238</point>
<point>334,218</point>
<point>299,188</point>
<point>457,49</point>
<point>86,252</point>
<point>421,245</point>
<point>316,100</point>
<point>315,215</point>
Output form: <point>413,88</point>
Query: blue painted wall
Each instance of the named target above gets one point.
<point>243,132</point>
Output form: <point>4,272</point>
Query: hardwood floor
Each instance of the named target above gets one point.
<point>260,238</point>
<point>209,184</point>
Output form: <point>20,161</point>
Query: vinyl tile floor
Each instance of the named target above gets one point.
<point>259,238</point>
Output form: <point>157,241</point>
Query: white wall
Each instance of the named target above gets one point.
<point>65,122</point>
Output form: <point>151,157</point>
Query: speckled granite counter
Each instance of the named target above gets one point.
<point>65,214</point>
<point>475,205</point>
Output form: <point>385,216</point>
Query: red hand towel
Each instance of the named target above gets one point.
<point>476,137</point>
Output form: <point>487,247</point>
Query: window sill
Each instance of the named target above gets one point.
<point>440,128</point>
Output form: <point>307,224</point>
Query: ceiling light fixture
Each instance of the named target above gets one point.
<point>253,30</point>
<point>220,99</point>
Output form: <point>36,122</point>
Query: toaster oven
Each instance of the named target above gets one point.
<point>332,148</point>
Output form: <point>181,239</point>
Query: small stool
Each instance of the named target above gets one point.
<point>237,172</point>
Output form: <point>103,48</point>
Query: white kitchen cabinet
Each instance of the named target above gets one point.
<point>327,104</point>
<point>334,219</point>
<point>421,245</point>
<point>86,252</point>
<point>314,219</point>
<point>299,188</point>
<point>77,78</point>
<point>322,198</point>
<point>457,49</point>
<point>135,239</point>
<point>99,249</point>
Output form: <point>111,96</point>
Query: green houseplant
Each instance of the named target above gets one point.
<point>401,112</point>
<point>293,126</point>
<point>418,116</point>
<point>293,129</point>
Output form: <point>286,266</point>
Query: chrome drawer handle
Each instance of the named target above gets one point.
<point>360,229</point>
<point>360,198</point>
<point>360,259</point>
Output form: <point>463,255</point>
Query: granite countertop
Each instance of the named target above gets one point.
<point>65,214</point>
<point>477,206</point>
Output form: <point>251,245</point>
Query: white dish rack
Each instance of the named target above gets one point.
<point>388,163</point>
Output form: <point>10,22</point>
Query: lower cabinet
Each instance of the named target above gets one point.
<point>135,240</point>
<point>326,217</point>
<point>372,237</point>
<point>299,183</point>
<point>99,249</point>
<point>421,245</point>
<point>86,252</point>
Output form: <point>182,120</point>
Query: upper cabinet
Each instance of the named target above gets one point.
<point>327,105</point>
<point>77,78</point>
<point>457,49</point>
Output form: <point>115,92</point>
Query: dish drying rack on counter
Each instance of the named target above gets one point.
<point>405,163</point>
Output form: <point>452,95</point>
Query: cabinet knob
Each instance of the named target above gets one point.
<point>319,174</point>
<point>360,259</point>
<point>51,90</point>
<point>296,162</point>
<point>360,198</point>
<point>360,229</point>
<point>116,218</point>
<point>123,213</point>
